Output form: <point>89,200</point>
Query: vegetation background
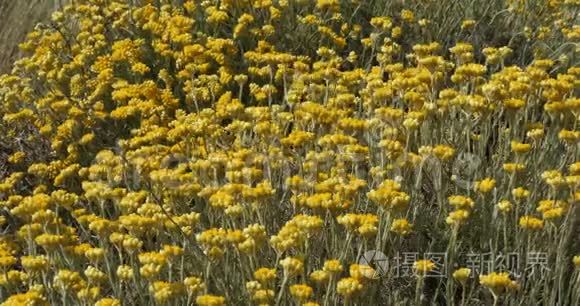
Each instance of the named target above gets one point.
<point>18,17</point>
<point>60,121</point>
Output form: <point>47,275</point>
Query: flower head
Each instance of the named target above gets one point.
<point>423,267</point>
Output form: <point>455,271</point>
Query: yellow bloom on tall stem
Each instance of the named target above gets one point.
<point>422,267</point>
<point>531,223</point>
<point>461,275</point>
<point>497,283</point>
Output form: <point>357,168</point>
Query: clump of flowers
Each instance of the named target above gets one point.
<point>275,152</point>
<point>498,283</point>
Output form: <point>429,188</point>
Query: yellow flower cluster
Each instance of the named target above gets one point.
<point>357,282</point>
<point>424,266</point>
<point>463,206</point>
<point>498,282</point>
<point>225,152</point>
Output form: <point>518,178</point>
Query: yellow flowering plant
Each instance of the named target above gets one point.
<point>255,152</point>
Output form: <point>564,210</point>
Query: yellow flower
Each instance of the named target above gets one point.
<point>301,292</point>
<point>574,168</point>
<point>576,261</point>
<point>363,224</point>
<point>457,217</point>
<point>504,206</point>
<point>554,178</point>
<point>497,282</point>
<point>388,195</point>
<point>292,266</point>
<point>531,223</point>
<point>194,285</point>
<point>125,273</point>
<point>333,266</point>
<point>514,167</point>
<point>407,16</point>
<point>89,293</point>
<point>519,148</point>
<point>108,302</point>
<point>32,297</point>
<point>424,22</point>
<point>467,24</point>
<point>569,136</point>
<point>349,287</point>
<point>296,232</point>
<point>17,157</point>
<point>163,292</point>
<point>262,296</point>
<point>520,193</point>
<point>319,276</point>
<point>67,280</point>
<point>94,275</point>
<point>265,275</point>
<point>443,152</point>
<point>424,266</point>
<point>461,202</point>
<point>6,261</point>
<point>362,272</point>
<point>210,300</point>
<point>331,5</point>
<point>514,104</point>
<point>401,227</point>
<point>396,32</point>
<point>552,209</point>
<point>13,278</point>
<point>484,186</point>
<point>461,275</point>
<point>128,128</point>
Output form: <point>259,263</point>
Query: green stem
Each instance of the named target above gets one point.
<point>282,289</point>
<point>418,290</point>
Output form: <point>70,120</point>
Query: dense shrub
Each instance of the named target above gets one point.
<point>258,152</point>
